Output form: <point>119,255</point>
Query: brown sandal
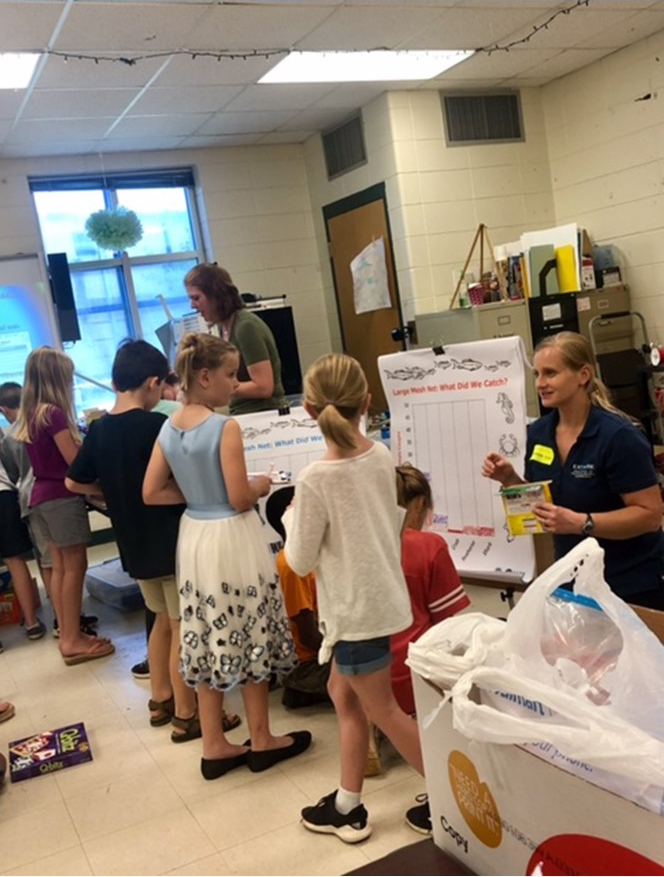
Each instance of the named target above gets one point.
<point>191,728</point>
<point>230,721</point>
<point>166,709</point>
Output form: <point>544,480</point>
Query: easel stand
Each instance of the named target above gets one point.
<point>481,235</point>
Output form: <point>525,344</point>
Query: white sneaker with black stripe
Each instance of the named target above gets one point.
<point>324,818</point>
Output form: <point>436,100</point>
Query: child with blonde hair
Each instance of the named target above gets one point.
<point>346,524</point>
<point>234,630</point>
<point>47,425</point>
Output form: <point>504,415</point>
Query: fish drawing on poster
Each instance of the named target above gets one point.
<point>280,442</point>
<point>448,410</point>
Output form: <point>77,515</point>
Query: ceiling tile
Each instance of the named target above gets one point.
<point>279,97</point>
<point>139,144</point>
<point>574,29</point>
<point>21,30</point>
<point>498,65</point>
<point>565,62</point>
<point>369,27</point>
<point>61,104</point>
<point>45,130</point>
<point>469,25</point>
<point>112,26</point>
<point>313,119</point>
<point>257,25</point>
<point>351,95</point>
<point>220,140</point>
<point>54,147</point>
<point>209,71</point>
<point>286,137</point>
<point>10,102</point>
<point>637,26</point>
<point>174,125</point>
<point>198,99</point>
<point>245,123</point>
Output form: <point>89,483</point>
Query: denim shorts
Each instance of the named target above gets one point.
<point>362,656</point>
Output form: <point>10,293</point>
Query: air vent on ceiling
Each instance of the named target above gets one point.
<point>344,147</point>
<point>481,118</point>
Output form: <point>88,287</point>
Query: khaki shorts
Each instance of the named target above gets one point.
<point>62,521</point>
<point>161,595</point>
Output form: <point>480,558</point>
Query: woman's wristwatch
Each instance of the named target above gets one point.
<point>588,525</point>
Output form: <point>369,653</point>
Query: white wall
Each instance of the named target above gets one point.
<point>437,195</point>
<point>256,218</point>
<point>607,163</point>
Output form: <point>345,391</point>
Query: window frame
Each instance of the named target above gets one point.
<point>106,182</point>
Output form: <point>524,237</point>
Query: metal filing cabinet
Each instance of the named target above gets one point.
<point>496,320</point>
<point>616,333</point>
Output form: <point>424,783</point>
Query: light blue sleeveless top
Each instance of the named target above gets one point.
<point>193,455</point>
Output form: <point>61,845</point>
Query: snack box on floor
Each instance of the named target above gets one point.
<point>499,809</point>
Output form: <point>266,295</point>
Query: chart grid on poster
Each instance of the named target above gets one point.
<point>448,438</point>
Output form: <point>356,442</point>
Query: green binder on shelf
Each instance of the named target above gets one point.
<point>543,277</point>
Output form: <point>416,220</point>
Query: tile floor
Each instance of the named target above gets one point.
<point>141,806</point>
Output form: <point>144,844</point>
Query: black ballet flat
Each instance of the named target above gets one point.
<point>258,761</point>
<point>213,768</point>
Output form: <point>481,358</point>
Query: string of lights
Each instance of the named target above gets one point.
<point>245,55</point>
<point>536,29</point>
<point>193,54</point>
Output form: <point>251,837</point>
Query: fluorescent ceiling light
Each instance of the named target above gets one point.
<point>16,69</point>
<point>373,66</point>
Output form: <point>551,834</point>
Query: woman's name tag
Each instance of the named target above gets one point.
<point>542,454</point>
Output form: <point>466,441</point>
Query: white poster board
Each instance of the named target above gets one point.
<point>281,443</point>
<point>448,410</point>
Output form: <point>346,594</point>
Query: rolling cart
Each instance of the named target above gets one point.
<point>628,374</point>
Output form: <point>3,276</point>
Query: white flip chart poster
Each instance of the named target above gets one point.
<point>283,442</point>
<point>448,410</point>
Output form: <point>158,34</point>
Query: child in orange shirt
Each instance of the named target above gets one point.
<point>307,683</point>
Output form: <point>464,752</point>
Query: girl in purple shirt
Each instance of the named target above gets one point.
<point>47,425</point>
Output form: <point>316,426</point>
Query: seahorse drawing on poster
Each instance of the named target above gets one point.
<point>507,407</point>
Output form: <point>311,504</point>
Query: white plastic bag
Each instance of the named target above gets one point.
<point>452,647</point>
<point>630,685</point>
<point>579,729</point>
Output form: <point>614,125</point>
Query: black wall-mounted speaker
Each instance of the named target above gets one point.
<point>63,296</point>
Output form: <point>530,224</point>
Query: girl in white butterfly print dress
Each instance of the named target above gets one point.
<point>234,629</point>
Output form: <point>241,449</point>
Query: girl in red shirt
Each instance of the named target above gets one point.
<point>433,582</point>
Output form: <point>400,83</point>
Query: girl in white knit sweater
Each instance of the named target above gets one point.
<point>345,525</point>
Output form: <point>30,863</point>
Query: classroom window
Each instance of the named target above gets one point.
<point>120,295</point>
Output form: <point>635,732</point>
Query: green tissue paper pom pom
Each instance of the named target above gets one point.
<point>114,229</point>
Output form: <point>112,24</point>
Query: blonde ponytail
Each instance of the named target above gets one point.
<point>336,387</point>
<point>198,351</point>
<point>577,353</point>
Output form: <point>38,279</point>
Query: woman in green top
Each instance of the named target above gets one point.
<point>215,297</point>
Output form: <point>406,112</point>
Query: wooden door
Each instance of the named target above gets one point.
<point>352,224</point>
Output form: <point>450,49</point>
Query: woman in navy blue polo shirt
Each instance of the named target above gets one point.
<point>603,481</point>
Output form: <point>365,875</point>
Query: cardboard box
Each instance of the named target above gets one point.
<point>48,752</point>
<point>498,809</point>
